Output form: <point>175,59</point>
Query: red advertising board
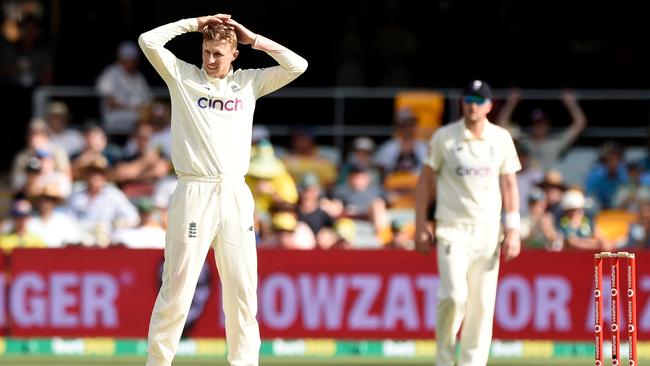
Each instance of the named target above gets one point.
<point>82,292</point>
<point>3,291</point>
<point>304,294</point>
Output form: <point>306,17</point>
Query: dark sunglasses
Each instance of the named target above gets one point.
<point>469,99</point>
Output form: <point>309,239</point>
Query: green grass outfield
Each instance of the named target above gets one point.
<point>268,361</point>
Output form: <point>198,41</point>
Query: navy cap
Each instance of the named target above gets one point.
<point>478,88</point>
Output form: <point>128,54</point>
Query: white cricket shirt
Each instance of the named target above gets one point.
<point>468,170</point>
<point>212,118</point>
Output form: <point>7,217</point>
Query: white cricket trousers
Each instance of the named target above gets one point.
<point>205,212</point>
<point>468,266</point>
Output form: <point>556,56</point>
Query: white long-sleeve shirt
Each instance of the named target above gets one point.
<point>212,118</point>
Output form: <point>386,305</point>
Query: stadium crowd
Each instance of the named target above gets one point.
<point>110,181</point>
<point>83,187</point>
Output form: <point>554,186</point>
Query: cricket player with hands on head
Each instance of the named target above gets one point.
<point>212,117</point>
<point>469,172</point>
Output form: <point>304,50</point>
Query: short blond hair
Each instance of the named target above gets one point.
<point>220,33</point>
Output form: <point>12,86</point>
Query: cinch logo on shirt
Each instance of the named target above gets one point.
<point>473,171</point>
<point>221,105</point>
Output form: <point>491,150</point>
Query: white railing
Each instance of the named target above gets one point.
<point>339,128</point>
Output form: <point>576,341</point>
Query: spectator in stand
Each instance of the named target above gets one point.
<point>269,181</point>
<point>40,173</point>
<point>158,115</point>
<point>639,232</point>
<point>527,178</point>
<point>403,152</point>
<point>310,209</point>
<point>145,165</point>
<point>538,225</point>
<point>553,187</point>
<point>95,146</point>
<point>306,157</point>
<point>628,195</point>
<point>545,148</point>
<point>610,173</point>
<point>57,118</point>
<point>100,208</point>
<point>38,138</point>
<point>53,225</point>
<point>363,201</point>
<point>124,92</point>
<point>20,236</point>
<point>362,152</point>
<point>148,234</point>
<point>578,230</point>
<point>161,121</point>
<point>289,233</point>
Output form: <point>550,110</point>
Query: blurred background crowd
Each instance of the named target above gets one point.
<point>104,177</point>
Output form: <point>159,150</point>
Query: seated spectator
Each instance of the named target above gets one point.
<point>161,121</point>
<point>124,92</point>
<point>361,200</point>
<point>145,164</point>
<point>57,117</point>
<point>639,232</point>
<point>578,230</point>
<point>55,227</point>
<point>545,148</point>
<point>158,115</point>
<point>20,235</point>
<point>537,225</point>
<point>361,154</point>
<point>403,152</point>
<point>40,173</point>
<point>553,187</point>
<point>269,180</point>
<point>306,157</point>
<point>100,208</point>
<point>38,138</point>
<point>309,206</point>
<point>607,176</point>
<point>627,195</point>
<point>96,146</point>
<point>148,234</point>
<point>289,233</point>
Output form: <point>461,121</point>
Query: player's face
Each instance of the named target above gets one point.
<point>217,57</point>
<point>476,109</point>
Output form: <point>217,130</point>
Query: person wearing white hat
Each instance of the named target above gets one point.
<point>578,230</point>
<point>212,120</point>
<point>470,170</point>
<point>57,117</point>
<point>124,91</point>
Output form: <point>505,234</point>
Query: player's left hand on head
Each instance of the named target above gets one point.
<point>244,35</point>
<point>511,245</point>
